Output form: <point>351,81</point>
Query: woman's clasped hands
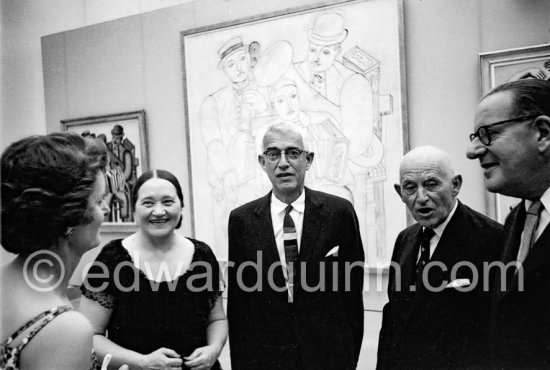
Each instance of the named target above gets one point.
<point>202,358</point>
<point>162,359</point>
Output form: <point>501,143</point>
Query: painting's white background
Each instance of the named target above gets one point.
<point>373,26</point>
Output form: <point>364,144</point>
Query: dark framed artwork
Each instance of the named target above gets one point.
<point>124,135</point>
<point>498,67</point>
<point>337,72</point>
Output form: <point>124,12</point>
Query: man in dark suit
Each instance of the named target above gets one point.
<point>438,310</point>
<point>512,142</point>
<point>296,280</point>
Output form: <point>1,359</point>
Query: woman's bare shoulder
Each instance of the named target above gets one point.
<point>64,343</point>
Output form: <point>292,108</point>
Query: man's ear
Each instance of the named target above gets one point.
<point>542,124</point>
<point>457,183</point>
<point>309,159</point>
<point>261,161</point>
<point>397,188</point>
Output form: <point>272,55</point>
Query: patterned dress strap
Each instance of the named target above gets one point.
<point>46,317</point>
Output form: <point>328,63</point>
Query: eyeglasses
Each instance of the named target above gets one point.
<point>292,155</point>
<point>484,134</point>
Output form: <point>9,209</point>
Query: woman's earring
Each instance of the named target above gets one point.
<point>69,232</point>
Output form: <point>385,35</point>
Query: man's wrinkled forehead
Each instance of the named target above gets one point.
<point>420,174</point>
<point>412,168</point>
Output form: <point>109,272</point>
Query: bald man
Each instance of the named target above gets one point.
<point>438,310</point>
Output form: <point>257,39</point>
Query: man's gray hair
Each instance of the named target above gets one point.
<point>284,128</point>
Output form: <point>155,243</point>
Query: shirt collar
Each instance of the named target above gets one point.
<point>544,199</point>
<point>439,230</point>
<point>299,204</point>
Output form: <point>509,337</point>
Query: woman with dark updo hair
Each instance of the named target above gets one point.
<point>52,207</point>
<point>154,298</point>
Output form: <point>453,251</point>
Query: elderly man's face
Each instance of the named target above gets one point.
<point>428,190</point>
<point>321,58</point>
<point>237,66</point>
<point>511,159</point>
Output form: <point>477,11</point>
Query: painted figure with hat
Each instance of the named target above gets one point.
<point>225,120</point>
<point>321,70</point>
<point>123,174</point>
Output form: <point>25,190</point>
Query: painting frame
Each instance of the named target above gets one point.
<point>390,103</point>
<point>130,127</point>
<point>497,67</point>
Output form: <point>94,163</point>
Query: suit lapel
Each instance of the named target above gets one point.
<point>409,259</point>
<point>539,256</point>
<point>408,275</point>
<point>313,220</point>
<point>449,251</point>
<point>513,230</point>
<point>266,239</point>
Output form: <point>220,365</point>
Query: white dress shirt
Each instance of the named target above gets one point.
<point>277,219</point>
<point>439,231</point>
<point>544,214</point>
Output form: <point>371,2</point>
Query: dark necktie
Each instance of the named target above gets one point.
<point>427,235</point>
<point>291,250</point>
<point>528,236</point>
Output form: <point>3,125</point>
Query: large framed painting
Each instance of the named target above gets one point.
<point>337,72</point>
<point>125,138</point>
<point>498,67</point>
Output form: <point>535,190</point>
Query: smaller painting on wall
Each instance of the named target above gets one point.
<point>497,68</point>
<point>125,138</point>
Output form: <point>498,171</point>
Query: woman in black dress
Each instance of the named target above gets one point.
<point>154,298</point>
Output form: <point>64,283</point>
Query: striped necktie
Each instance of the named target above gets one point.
<point>528,235</point>
<point>291,250</point>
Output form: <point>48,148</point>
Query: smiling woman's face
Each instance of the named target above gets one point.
<point>158,208</point>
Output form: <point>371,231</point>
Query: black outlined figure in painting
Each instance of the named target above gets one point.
<point>321,70</point>
<point>225,118</point>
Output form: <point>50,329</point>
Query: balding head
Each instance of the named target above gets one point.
<point>428,185</point>
<point>427,156</point>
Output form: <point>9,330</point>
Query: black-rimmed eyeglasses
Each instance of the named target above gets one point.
<point>484,133</point>
<point>292,154</point>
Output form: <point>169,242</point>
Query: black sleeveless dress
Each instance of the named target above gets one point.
<point>147,314</point>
